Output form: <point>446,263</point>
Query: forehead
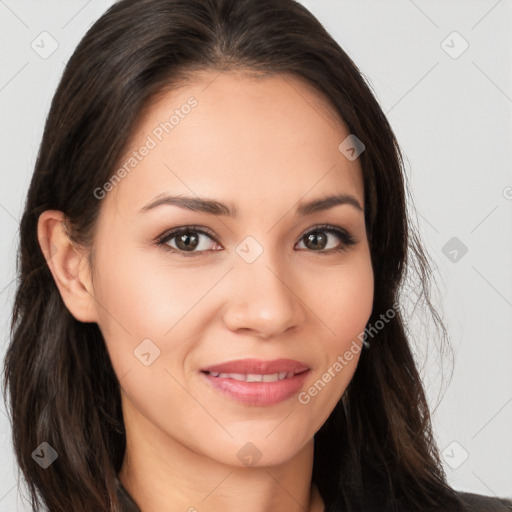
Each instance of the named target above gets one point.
<point>254,142</point>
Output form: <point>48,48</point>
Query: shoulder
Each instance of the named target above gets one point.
<point>480,503</point>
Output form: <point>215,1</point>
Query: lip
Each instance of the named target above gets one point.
<point>258,366</point>
<point>258,393</point>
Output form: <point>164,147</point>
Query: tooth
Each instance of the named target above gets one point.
<point>234,376</point>
<point>251,377</point>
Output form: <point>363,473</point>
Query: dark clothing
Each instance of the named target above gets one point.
<point>478,503</point>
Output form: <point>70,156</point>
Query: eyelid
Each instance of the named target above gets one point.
<point>187,227</point>
<point>347,239</point>
<point>329,228</point>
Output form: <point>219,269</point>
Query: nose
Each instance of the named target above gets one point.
<point>264,298</point>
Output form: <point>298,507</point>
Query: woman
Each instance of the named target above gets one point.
<point>208,312</point>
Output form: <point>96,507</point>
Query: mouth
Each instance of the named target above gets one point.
<point>256,377</point>
<point>257,382</point>
<point>258,367</point>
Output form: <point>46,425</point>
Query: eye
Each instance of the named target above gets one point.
<point>193,241</point>
<point>318,239</point>
<point>188,241</point>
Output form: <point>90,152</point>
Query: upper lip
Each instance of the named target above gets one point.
<point>258,366</point>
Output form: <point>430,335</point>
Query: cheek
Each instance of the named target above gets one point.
<point>136,300</point>
<point>344,304</point>
<point>147,323</point>
<point>342,298</point>
<point>145,298</point>
<point>354,303</point>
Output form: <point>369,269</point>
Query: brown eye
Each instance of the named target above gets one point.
<point>187,241</point>
<point>319,239</point>
<point>316,241</point>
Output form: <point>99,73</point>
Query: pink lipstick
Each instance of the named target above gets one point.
<point>257,382</point>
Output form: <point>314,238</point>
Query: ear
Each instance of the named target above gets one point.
<point>68,264</point>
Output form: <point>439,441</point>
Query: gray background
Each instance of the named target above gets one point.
<point>450,110</point>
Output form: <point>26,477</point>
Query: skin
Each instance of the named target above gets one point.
<point>261,145</point>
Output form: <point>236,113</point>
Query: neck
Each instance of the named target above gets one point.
<point>162,473</point>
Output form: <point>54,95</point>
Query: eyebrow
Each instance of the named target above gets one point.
<point>210,206</point>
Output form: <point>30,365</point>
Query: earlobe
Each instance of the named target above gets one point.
<point>68,264</point>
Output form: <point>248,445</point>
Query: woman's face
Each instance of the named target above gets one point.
<point>252,286</point>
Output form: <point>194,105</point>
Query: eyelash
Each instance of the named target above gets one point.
<point>346,238</point>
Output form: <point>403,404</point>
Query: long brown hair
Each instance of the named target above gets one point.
<point>376,450</point>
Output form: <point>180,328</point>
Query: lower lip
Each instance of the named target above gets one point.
<point>258,393</point>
